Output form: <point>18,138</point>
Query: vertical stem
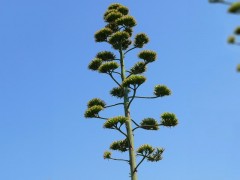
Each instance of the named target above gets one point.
<point>132,156</point>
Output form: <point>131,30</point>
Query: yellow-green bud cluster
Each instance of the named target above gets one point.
<point>121,145</point>
<point>102,35</point>
<point>149,124</point>
<point>140,40</point>
<point>93,111</point>
<point>148,56</point>
<point>118,92</point>
<point>234,8</point>
<point>95,64</point>
<point>112,122</point>
<point>134,80</point>
<point>169,119</point>
<point>107,155</point>
<point>231,40</point>
<point>105,56</point>
<point>161,90</point>
<point>108,67</point>
<point>139,68</point>
<point>96,102</point>
<point>126,21</point>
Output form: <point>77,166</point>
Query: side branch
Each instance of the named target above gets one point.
<point>114,105</point>
<point>110,74</point>
<point>145,97</point>
<point>116,159</point>
<point>144,157</point>
<point>130,50</point>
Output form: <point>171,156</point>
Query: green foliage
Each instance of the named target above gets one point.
<point>135,80</point>
<point>118,92</point>
<point>145,149</point>
<point>93,111</point>
<point>108,67</point>
<point>148,56</point>
<point>234,8</point>
<point>231,40</point>
<point>96,102</point>
<point>112,122</point>
<point>139,68</point>
<point>102,35</point>
<point>120,39</point>
<point>149,124</point>
<point>107,155</point>
<point>156,155</point>
<point>161,90</point>
<point>140,40</point>
<point>237,30</point>
<point>121,145</point>
<point>105,56</point>
<point>238,68</point>
<point>126,21</point>
<point>95,64</point>
<point>113,16</point>
<point>169,119</point>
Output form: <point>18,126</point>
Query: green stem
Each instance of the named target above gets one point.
<point>132,156</point>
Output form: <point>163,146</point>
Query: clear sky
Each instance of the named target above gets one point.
<point>45,48</point>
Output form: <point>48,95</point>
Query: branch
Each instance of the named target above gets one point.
<point>110,74</point>
<point>135,170</point>
<point>113,105</point>
<point>130,50</point>
<point>117,128</point>
<point>134,122</point>
<point>98,117</point>
<point>145,97</point>
<point>116,72</point>
<point>116,159</point>
<point>132,98</point>
<point>145,126</point>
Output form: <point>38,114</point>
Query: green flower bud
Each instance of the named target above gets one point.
<point>161,90</point>
<point>145,149</point>
<point>113,16</point>
<point>105,56</point>
<point>121,145</point>
<point>93,111</point>
<point>108,67</point>
<point>128,30</point>
<point>96,102</point>
<point>122,9</point>
<point>102,35</point>
<point>114,6</point>
<point>119,37</point>
<point>128,21</point>
<point>118,92</point>
<point>238,68</point>
<point>149,124</point>
<point>107,155</point>
<point>156,155</point>
<point>140,40</point>
<point>113,27</point>
<point>148,56</point>
<point>139,68</point>
<point>111,122</point>
<point>231,40</point>
<point>95,64</point>
<point>237,30</point>
<point>169,119</point>
<point>234,8</point>
<point>134,80</point>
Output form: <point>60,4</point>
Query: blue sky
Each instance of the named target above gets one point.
<point>45,48</point>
